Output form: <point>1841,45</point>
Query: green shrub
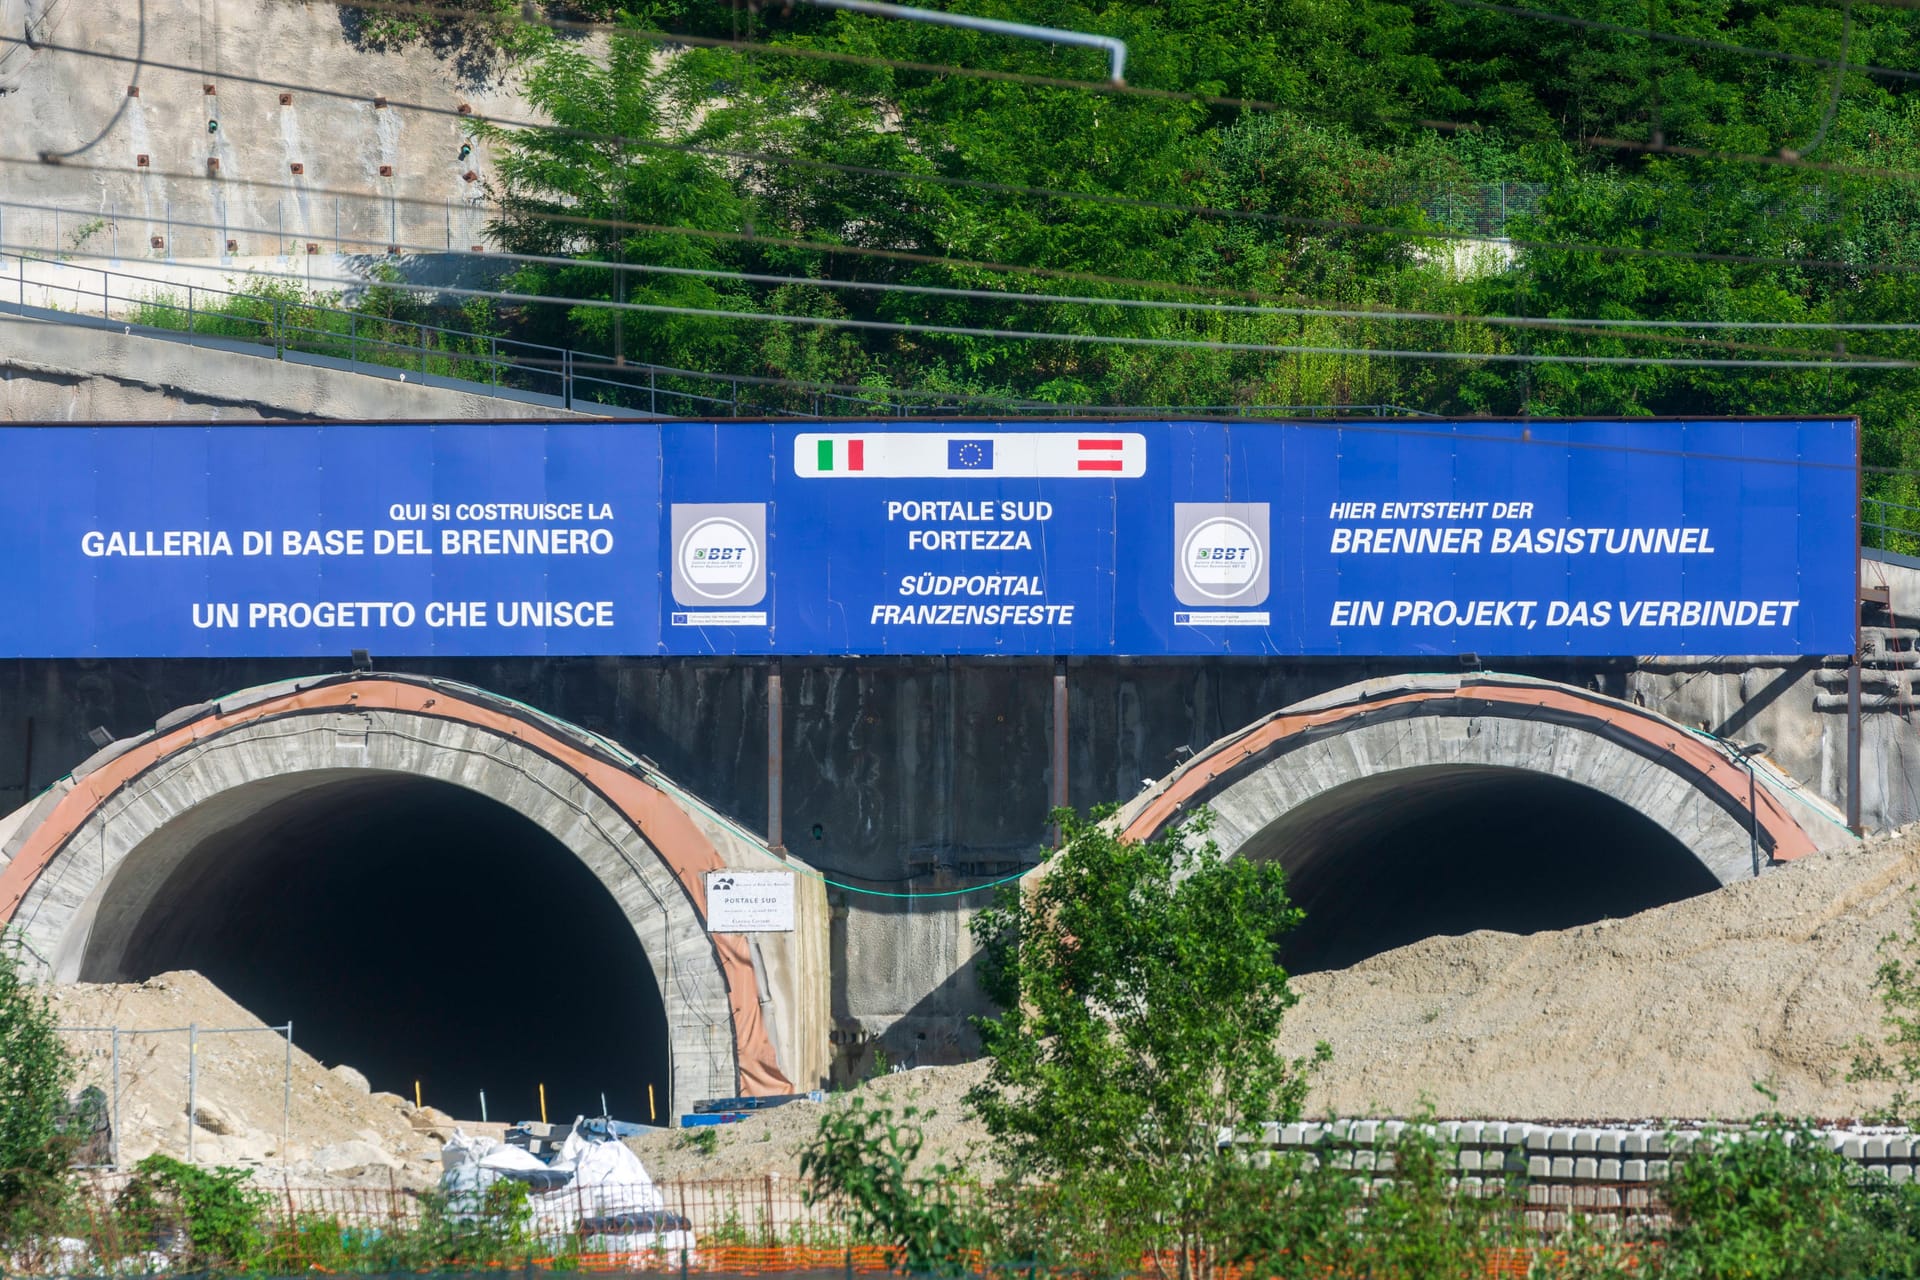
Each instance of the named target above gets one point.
<point>1774,1202</point>
<point>864,1155</point>
<point>215,1211</point>
<point>35,1073</point>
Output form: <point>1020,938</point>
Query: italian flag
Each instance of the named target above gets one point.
<point>840,453</point>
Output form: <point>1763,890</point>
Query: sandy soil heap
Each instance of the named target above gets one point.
<point>339,1130</point>
<point>1673,1013</point>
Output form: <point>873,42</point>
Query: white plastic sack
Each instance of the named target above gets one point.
<point>461,1149</point>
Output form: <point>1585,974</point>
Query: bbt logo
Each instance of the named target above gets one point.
<point>719,556</point>
<point>1221,553</point>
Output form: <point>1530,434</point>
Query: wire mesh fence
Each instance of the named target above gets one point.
<point>759,1226</point>
<point>165,1065</point>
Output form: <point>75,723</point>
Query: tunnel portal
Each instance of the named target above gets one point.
<point>434,883</point>
<point>1412,806</point>
<point>479,953</point>
<point>1397,857</point>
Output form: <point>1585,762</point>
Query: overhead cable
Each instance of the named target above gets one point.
<point>1622,329</point>
<point>1026,335</point>
<point>1319,224</point>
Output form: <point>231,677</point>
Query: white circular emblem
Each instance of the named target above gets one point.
<point>718,558</point>
<point>1220,557</point>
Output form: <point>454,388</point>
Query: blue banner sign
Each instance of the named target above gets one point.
<point>1391,539</point>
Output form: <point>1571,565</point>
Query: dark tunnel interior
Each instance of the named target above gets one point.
<point>414,930</point>
<point>1397,857</point>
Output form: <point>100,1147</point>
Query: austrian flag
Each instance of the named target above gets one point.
<point>1107,455</point>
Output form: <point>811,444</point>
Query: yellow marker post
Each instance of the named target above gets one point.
<point>416,1095</point>
<point>650,1116</point>
<point>543,1104</point>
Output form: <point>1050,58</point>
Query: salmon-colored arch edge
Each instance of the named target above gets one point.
<point>1789,840</point>
<point>680,845</point>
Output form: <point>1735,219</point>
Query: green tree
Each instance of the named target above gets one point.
<point>1141,994</point>
<point>35,1072</point>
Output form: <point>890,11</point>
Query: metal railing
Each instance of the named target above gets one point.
<point>1889,526</point>
<point>265,323</point>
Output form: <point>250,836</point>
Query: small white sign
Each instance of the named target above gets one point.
<point>749,902</point>
<point>718,618</point>
<point>1221,618</point>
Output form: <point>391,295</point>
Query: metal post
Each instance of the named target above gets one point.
<point>483,1106</point>
<point>1059,797</point>
<point>776,757</point>
<point>421,329</point>
<point>1753,819</point>
<point>103,293</point>
<point>286,1097</point>
<point>189,315</point>
<point>193,1072</point>
<point>114,1110</point>
<point>1853,745</point>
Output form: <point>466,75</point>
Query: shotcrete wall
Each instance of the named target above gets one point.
<point>198,189</point>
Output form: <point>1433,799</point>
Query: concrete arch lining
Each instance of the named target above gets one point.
<point>91,861</point>
<point>1690,787</point>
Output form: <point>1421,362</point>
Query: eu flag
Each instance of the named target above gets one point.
<point>969,455</point>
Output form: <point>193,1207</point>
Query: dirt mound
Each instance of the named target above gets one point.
<point>337,1131</point>
<point>1673,1013</point>
<point>771,1142</point>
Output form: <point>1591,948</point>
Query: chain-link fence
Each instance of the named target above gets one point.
<point>166,1066</point>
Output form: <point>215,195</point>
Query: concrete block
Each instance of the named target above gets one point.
<point>1583,1141</point>
<point>1562,1166</point>
<point>1874,1149</point>
<point>1468,1160</point>
<point>1560,1140</point>
<point>1539,1167</point>
<point>1607,1144</point>
<point>1853,1148</point>
<point>1290,1135</point>
<point>1657,1170</point>
<point>1365,1131</point>
<point>1633,1144</point>
<point>1536,1139</point>
<point>1468,1131</point>
<point>1586,1168</point>
<point>1609,1170</point>
<point>1900,1172</point>
<point>1900,1148</point>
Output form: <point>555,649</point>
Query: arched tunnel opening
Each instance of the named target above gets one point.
<point>410,928</point>
<point>1390,859</point>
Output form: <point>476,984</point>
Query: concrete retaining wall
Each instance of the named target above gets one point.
<point>71,373</point>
